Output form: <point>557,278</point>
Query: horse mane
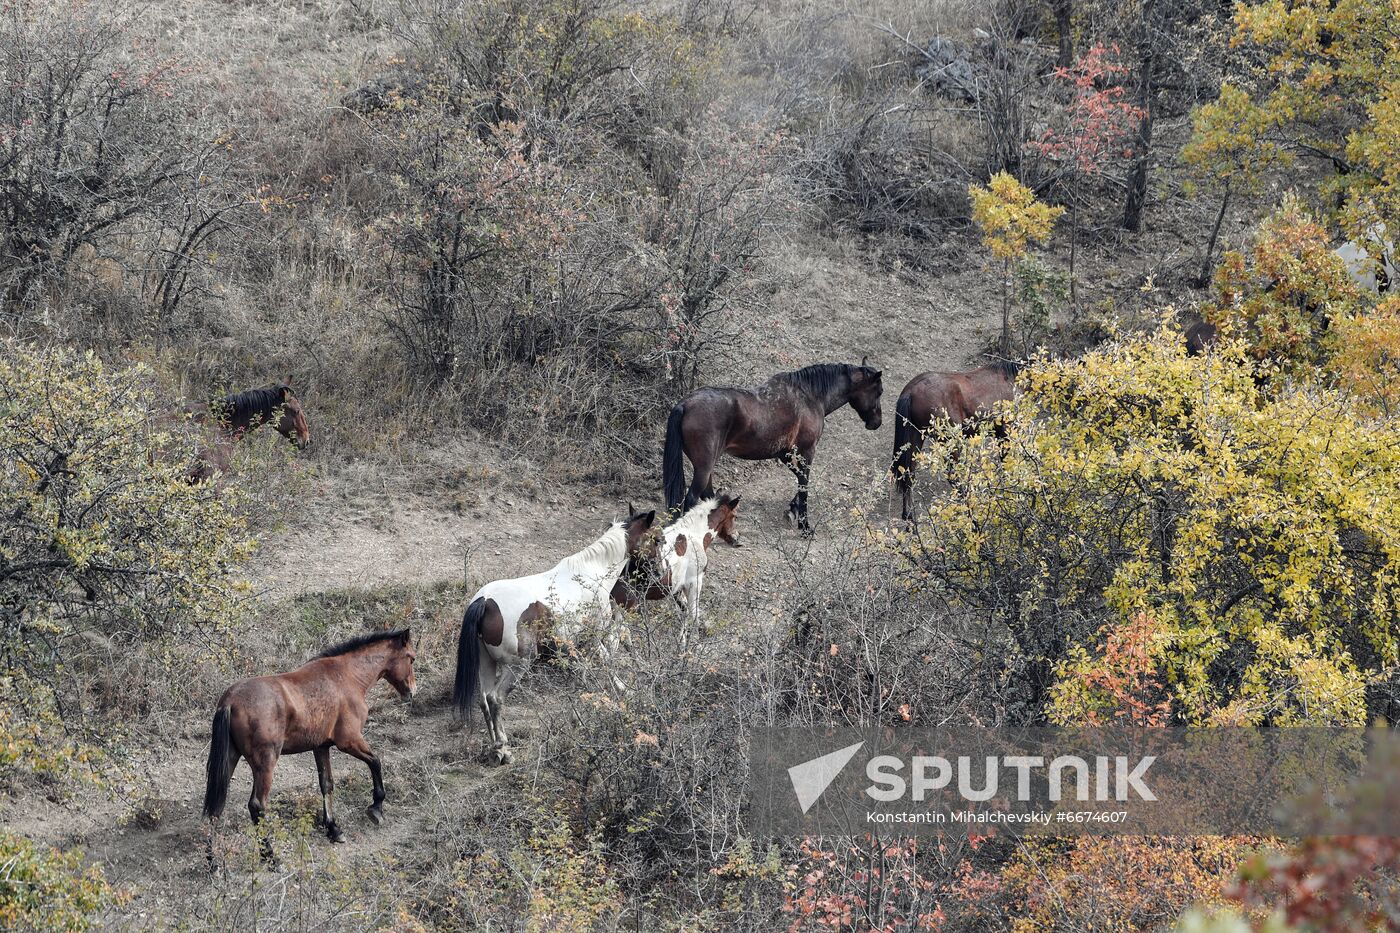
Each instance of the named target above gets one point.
<point>250,403</point>
<point>601,551</point>
<point>1007,369</point>
<point>820,378</point>
<point>693,521</point>
<point>359,641</point>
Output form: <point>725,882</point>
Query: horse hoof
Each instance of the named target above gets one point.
<point>503,756</point>
<point>334,834</point>
<point>376,814</point>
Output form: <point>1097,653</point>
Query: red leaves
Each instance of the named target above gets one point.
<point>1098,118</point>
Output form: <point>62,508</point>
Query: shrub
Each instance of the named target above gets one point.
<point>101,160</point>
<point>1283,296</point>
<point>48,890</point>
<point>104,543</point>
<point>1136,479</point>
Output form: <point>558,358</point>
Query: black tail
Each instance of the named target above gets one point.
<point>906,436</point>
<point>673,462</point>
<point>221,762</point>
<point>468,650</point>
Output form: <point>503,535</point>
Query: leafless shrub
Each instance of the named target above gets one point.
<point>98,154</point>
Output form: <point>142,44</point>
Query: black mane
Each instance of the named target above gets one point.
<point>243,407</point>
<point>821,378</point>
<point>359,641</point>
<point>1010,369</point>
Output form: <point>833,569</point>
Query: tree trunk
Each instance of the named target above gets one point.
<point>1203,279</point>
<point>1006,309</point>
<point>1064,26</point>
<point>1142,147</point>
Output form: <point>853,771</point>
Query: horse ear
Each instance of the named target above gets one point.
<point>631,509</point>
<point>284,390</point>
<point>734,504</point>
<point>651,518</point>
<point>862,361</point>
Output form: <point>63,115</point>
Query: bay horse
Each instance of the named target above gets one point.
<point>319,706</point>
<point>780,420</point>
<point>234,416</point>
<point>507,620</point>
<point>932,399</point>
<point>683,555</point>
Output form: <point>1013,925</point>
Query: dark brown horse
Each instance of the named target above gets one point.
<point>234,416</point>
<point>1200,337</point>
<point>780,420</point>
<point>318,706</point>
<point>930,400</point>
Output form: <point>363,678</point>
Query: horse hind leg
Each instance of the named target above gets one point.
<point>495,702</point>
<point>327,782</point>
<point>262,764</point>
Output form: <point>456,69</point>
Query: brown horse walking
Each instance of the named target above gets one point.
<point>780,420</point>
<point>963,400</point>
<point>318,706</point>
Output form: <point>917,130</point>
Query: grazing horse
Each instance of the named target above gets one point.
<point>507,620</point>
<point>1200,337</point>
<point>780,420</point>
<point>234,416</point>
<point>683,557</point>
<point>318,706</point>
<point>930,400</point>
<point>237,414</point>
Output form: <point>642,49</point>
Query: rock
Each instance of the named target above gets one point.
<point>948,71</point>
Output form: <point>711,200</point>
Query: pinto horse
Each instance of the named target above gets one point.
<point>780,420</point>
<point>964,400</point>
<point>318,706</point>
<point>507,620</point>
<point>683,556</point>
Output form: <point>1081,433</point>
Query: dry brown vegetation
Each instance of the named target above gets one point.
<point>490,243</point>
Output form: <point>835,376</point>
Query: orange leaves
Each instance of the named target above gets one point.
<point>1123,683</point>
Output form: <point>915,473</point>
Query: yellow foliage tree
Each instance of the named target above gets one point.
<point>1011,219</point>
<point>1283,296</point>
<point>1368,355</point>
<point>1329,79</point>
<point>1230,152</point>
<point>103,541</point>
<point>1261,533</point>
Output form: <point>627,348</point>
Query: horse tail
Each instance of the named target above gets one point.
<point>905,436</point>
<point>468,653</point>
<point>672,461</point>
<point>221,763</point>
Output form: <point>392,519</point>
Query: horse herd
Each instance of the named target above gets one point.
<point>507,623</point>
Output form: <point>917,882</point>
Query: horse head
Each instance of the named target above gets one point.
<point>398,668</point>
<point>723,520</point>
<point>865,393</point>
<point>292,424</point>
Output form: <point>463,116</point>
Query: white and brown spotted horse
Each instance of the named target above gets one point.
<point>679,572</point>
<point>508,619</point>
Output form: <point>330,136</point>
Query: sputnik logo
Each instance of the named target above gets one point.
<point>811,778</point>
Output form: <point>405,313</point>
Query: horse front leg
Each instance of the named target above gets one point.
<point>357,747</point>
<point>800,463</point>
<point>327,781</point>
